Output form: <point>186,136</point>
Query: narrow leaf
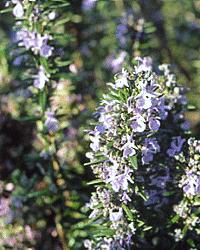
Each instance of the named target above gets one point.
<point>133,160</point>
<point>128,212</point>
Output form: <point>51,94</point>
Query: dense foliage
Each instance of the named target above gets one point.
<point>141,180</point>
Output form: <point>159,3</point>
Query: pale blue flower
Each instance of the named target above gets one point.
<point>144,64</point>
<point>119,181</point>
<point>185,125</point>
<point>191,186</point>
<point>25,38</point>
<point>115,215</point>
<point>51,122</point>
<point>138,123</point>
<point>40,45</point>
<point>129,148</point>
<point>122,80</point>
<point>147,157</point>
<point>121,33</point>
<point>88,4</point>
<point>149,148</point>
<point>176,146</point>
<point>100,128</point>
<point>125,198</point>
<point>154,123</point>
<point>95,143</point>
<point>46,50</point>
<point>144,100</point>
<point>18,10</point>
<point>114,62</point>
<point>95,140</point>
<point>41,78</point>
<point>105,118</point>
<point>161,107</point>
<point>35,41</point>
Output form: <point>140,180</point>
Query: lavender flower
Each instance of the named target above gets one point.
<point>129,149</point>
<point>25,38</point>
<point>121,33</point>
<point>131,128</point>
<point>95,145</point>
<point>105,118</point>
<point>46,50</point>
<point>185,125</point>
<point>154,123</point>
<point>144,100</point>
<point>116,215</point>
<point>138,123</point>
<point>51,122</point>
<point>149,148</point>
<point>88,4</point>
<point>144,64</point>
<point>34,41</point>
<point>41,78</point>
<point>121,81</point>
<point>191,185</point>
<point>115,63</point>
<point>176,146</point>
<point>119,181</point>
<point>18,10</point>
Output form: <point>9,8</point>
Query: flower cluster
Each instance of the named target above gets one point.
<point>18,10</point>
<point>46,105</point>
<point>187,208</point>
<point>36,42</point>
<point>142,110</point>
<point>191,182</point>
